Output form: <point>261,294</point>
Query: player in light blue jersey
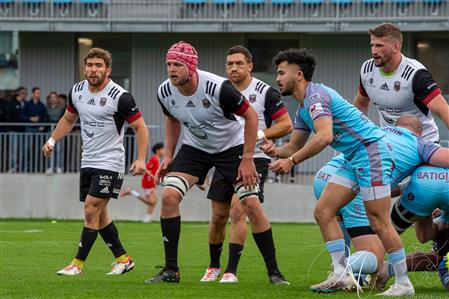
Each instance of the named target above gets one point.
<point>355,226</point>
<point>337,123</point>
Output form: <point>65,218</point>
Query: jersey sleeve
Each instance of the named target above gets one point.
<point>319,105</point>
<point>70,106</point>
<point>362,90</point>
<point>149,164</point>
<point>231,100</point>
<point>127,108</point>
<point>299,123</point>
<point>424,87</point>
<point>426,149</point>
<point>164,109</point>
<point>273,104</point>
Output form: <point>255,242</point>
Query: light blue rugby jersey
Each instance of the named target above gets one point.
<point>351,128</point>
<point>408,150</point>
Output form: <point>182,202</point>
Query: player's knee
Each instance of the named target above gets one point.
<point>322,214</point>
<point>90,210</point>
<point>176,183</point>
<point>237,214</point>
<point>252,207</point>
<point>219,218</point>
<point>170,197</point>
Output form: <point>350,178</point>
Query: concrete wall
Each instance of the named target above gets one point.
<point>56,197</point>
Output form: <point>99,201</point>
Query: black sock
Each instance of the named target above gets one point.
<point>235,251</point>
<point>215,253</point>
<point>110,236</point>
<point>88,237</point>
<point>171,229</point>
<point>264,241</point>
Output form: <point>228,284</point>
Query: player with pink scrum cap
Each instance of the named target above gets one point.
<point>207,105</point>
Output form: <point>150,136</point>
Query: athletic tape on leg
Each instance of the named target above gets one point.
<point>244,192</point>
<point>178,183</point>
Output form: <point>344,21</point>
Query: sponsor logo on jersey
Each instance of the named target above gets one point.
<point>206,103</point>
<point>397,85</point>
<point>89,134</point>
<point>190,104</point>
<point>173,102</point>
<point>105,190</point>
<point>431,86</point>
<point>103,101</point>
<point>252,98</point>
<point>91,102</point>
<point>371,81</point>
<point>337,137</point>
<point>434,176</point>
<point>410,196</point>
<point>316,109</point>
<point>97,124</point>
<point>80,98</point>
<point>384,87</point>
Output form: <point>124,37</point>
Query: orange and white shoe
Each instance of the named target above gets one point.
<point>211,274</point>
<point>119,268</point>
<point>71,270</point>
<point>229,278</point>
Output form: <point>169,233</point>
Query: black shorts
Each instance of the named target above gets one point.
<point>195,162</point>
<point>100,183</point>
<point>220,190</point>
<point>358,231</point>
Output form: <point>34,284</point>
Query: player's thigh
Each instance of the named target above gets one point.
<point>378,210</point>
<point>334,197</point>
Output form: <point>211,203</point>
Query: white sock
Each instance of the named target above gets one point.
<point>135,193</point>
<point>397,260</point>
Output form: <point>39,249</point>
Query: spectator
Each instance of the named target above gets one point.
<point>14,114</point>
<point>35,110</point>
<point>54,112</point>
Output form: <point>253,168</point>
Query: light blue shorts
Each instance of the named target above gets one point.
<point>353,214</point>
<point>427,190</point>
<point>368,170</point>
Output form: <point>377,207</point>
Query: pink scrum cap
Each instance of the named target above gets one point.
<point>184,53</point>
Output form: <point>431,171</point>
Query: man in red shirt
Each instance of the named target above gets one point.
<point>148,184</point>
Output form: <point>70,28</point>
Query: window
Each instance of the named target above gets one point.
<point>9,73</point>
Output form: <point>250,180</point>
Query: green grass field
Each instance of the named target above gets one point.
<point>32,252</point>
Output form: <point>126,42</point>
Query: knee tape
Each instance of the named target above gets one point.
<point>178,183</point>
<point>363,262</point>
<point>243,192</point>
<point>401,218</point>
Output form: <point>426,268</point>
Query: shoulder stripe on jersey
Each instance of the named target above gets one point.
<point>114,92</point>
<point>369,65</point>
<point>79,86</point>
<point>260,87</point>
<point>408,71</point>
<point>165,90</point>
<point>210,87</point>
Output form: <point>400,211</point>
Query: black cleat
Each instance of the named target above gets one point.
<point>278,279</point>
<point>164,275</point>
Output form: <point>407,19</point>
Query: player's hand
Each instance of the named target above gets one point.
<point>47,150</point>
<point>138,167</point>
<point>247,173</point>
<point>281,166</point>
<point>163,169</point>
<point>269,148</point>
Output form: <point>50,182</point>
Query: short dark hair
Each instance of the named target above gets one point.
<point>157,147</point>
<point>35,88</point>
<point>387,29</point>
<point>300,57</point>
<point>239,49</point>
<point>99,53</point>
<point>19,90</point>
<point>62,96</point>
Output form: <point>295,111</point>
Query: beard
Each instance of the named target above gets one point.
<point>287,89</point>
<point>97,81</point>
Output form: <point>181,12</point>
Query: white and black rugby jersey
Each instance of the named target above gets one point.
<point>209,114</point>
<point>102,116</point>
<point>408,90</point>
<point>268,105</point>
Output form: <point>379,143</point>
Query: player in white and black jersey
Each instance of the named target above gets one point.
<point>269,107</point>
<point>399,85</point>
<point>206,105</point>
<point>103,107</point>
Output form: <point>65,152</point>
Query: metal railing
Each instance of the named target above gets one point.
<point>225,10</point>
